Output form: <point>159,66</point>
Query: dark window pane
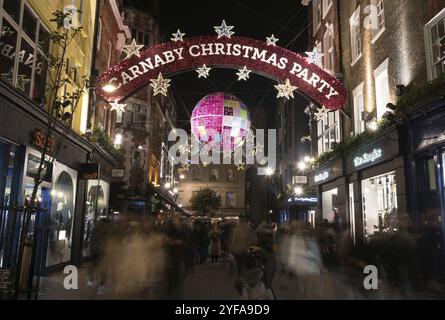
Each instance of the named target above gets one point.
<point>44,41</point>
<point>40,78</point>
<point>12,7</point>
<point>29,23</point>
<point>8,44</point>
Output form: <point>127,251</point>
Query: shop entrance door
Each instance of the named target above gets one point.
<point>429,198</point>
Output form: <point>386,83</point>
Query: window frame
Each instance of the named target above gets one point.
<point>34,43</point>
<point>376,33</point>
<point>327,128</point>
<point>326,9</point>
<point>358,92</point>
<point>431,65</point>
<point>381,69</point>
<point>355,30</point>
<point>329,53</point>
<point>317,14</point>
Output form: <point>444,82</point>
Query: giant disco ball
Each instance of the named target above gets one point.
<point>221,120</point>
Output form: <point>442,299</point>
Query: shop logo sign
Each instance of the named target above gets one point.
<point>71,281</point>
<point>368,158</point>
<point>371,281</point>
<point>321,177</point>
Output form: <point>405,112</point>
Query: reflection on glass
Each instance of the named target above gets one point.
<point>8,43</point>
<point>95,207</point>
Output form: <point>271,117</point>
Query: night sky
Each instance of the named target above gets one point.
<point>287,20</point>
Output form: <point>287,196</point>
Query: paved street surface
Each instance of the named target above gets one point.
<point>215,282</point>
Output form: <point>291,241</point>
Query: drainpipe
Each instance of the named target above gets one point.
<point>94,74</point>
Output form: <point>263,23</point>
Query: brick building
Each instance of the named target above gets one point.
<point>386,168</point>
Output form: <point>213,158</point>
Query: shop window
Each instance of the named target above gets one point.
<point>379,205</point>
<point>329,205</point>
<point>61,220</point>
<point>435,42</point>
<point>231,200</point>
<point>382,88</point>
<point>356,34</point>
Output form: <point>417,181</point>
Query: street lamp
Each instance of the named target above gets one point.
<point>270,171</point>
<point>298,191</point>
<point>109,88</point>
<point>168,185</point>
<point>118,139</point>
<point>302,165</point>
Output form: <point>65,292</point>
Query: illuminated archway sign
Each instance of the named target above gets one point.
<point>236,52</point>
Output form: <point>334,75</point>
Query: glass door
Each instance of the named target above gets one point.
<point>11,172</point>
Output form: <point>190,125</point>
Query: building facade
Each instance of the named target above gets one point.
<point>226,180</point>
<point>386,176</point>
<point>143,128</point>
<point>63,229</point>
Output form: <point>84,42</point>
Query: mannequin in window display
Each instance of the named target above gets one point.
<point>95,203</point>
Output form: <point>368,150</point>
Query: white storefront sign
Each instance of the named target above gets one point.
<point>367,158</point>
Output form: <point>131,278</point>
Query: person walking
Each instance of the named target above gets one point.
<point>215,243</point>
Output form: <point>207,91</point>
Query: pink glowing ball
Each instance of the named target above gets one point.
<point>221,120</point>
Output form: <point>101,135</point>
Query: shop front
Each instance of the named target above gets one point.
<point>427,179</point>
<point>330,183</point>
<point>376,188</point>
<point>58,228</point>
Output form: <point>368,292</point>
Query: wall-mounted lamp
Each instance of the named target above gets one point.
<point>400,90</point>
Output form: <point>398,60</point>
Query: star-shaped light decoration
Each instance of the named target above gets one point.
<point>227,154</point>
<point>178,36</point>
<point>185,167</point>
<point>205,164</point>
<point>185,148</point>
<point>8,76</point>
<point>259,148</point>
<point>224,30</point>
<point>286,90</point>
<point>132,49</point>
<point>262,162</point>
<point>241,166</point>
<point>6,31</point>
<point>321,112</point>
<point>203,72</point>
<point>243,74</point>
<point>272,41</point>
<point>118,107</point>
<point>22,81</point>
<point>160,85</point>
<point>314,57</point>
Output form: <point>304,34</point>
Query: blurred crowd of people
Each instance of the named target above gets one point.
<point>153,256</point>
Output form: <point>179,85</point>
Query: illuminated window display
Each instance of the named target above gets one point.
<point>330,209</point>
<point>61,218</point>
<point>96,207</point>
<point>380,205</point>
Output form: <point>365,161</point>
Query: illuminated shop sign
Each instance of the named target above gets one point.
<point>368,158</point>
<point>321,177</point>
<point>313,200</point>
